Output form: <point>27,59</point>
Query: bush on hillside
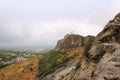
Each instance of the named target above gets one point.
<point>51,60</point>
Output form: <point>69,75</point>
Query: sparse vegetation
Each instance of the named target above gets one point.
<point>54,59</point>
<point>27,70</point>
<point>50,60</point>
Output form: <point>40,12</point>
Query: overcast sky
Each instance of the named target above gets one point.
<point>27,24</point>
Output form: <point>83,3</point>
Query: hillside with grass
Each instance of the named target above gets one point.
<point>27,70</point>
<point>52,60</point>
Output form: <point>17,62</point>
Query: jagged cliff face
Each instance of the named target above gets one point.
<point>72,41</point>
<point>111,32</point>
<point>69,41</point>
<point>101,59</point>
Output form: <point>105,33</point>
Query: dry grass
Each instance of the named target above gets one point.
<point>27,70</point>
<point>75,53</point>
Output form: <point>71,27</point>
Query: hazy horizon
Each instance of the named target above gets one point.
<point>34,24</point>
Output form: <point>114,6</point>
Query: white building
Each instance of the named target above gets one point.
<point>20,59</point>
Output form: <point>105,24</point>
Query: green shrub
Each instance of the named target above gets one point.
<point>50,60</point>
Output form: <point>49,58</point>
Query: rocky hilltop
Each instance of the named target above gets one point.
<point>73,41</point>
<point>100,59</point>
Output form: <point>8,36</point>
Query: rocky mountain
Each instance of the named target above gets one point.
<point>69,41</point>
<point>100,59</point>
<point>73,41</point>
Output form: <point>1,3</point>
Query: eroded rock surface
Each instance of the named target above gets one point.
<point>72,41</point>
<point>111,32</point>
<point>109,66</point>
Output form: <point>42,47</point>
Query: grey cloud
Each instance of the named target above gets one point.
<point>39,24</point>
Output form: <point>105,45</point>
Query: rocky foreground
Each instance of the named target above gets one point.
<point>100,59</point>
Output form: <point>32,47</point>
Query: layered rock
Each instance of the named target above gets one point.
<point>108,67</point>
<point>104,65</point>
<point>69,41</point>
<point>72,41</point>
<point>111,32</point>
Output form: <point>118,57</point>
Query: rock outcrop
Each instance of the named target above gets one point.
<point>111,32</point>
<point>101,59</point>
<point>103,65</point>
<point>69,41</point>
<point>72,41</point>
<point>108,67</point>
